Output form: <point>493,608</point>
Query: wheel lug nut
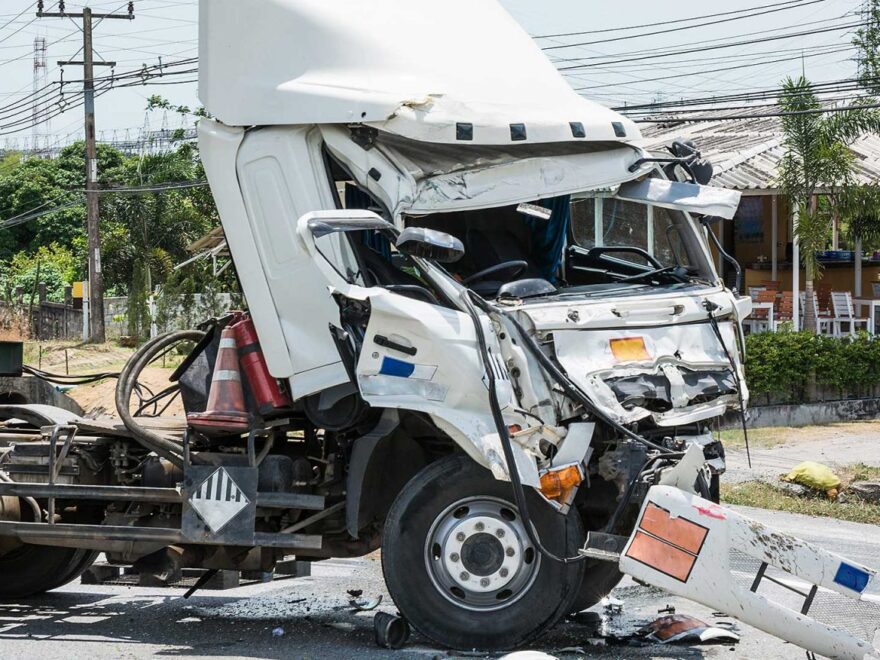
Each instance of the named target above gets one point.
<point>465,576</point>
<point>484,582</point>
<point>460,536</point>
<point>479,527</point>
<point>500,533</point>
<point>453,556</point>
<point>510,552</point>
<point>503,572</point>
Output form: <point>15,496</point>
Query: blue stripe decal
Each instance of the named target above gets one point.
<point>852,577</point>
<point>392,367</point>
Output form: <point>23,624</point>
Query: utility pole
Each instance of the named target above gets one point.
<point>96,278</point>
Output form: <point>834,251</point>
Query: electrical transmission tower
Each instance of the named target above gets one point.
<point>40,109</point>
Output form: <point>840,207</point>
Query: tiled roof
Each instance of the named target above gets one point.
<point>747,153</point>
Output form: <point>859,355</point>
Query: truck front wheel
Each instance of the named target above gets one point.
<point>460,566</point>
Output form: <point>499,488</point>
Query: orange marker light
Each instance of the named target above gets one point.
<point>558,484</point>
<point>629,349</point>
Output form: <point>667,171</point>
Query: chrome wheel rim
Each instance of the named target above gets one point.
<point>479,556</point>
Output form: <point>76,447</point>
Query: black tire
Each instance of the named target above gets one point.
<point>600,577</point>
<point>77,567</point>
<point>33,569</point>
<point>411,563</point>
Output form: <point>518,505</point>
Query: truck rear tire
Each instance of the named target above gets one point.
<point>600,577</point>
<point>460,567</point>
<point>29,570</point>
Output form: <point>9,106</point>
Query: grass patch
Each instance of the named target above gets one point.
<point>763,438</point>
<point>770,437</point>
<point>765,495</point>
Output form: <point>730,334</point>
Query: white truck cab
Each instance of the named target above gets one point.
<point>429,224</point>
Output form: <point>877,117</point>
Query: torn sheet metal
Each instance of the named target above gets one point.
<point>686,629</point>
<point>688,197</point>
<point>684,545</point>
<point>413,178</point>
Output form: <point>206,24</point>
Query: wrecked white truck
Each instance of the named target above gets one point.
<point>484,332</point>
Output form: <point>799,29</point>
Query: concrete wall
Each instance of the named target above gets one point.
<point>27,389</point>
<point>807,414</point>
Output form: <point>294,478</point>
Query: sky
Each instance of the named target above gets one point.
<point>169,30</point>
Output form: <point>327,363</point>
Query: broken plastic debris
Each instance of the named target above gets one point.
<point>684,628</point>
<point>612,605</point>
<point>366,604</point>
<point>528,655</point>
<point>391,631</point>
<point>278,632</point>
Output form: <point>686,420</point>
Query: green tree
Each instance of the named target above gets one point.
<point>817,160</point>
<point>867,43</point>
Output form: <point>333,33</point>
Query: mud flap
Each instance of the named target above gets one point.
<point>773,581</point>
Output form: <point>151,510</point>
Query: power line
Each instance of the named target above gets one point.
<point>702,49</point>
<point>35,213</point>
<point>661,23</point>
<point>819,111</point>
<point>685,27</point>
<point>844,84</point>
<point>729,68</point>
<point>693,61</point>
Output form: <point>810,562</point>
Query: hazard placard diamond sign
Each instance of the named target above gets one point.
<point>218,499</point>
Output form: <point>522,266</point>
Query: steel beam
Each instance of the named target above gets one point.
<point>148,495</point>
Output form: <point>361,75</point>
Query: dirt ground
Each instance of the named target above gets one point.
<point>77,358</point>
<point>776,451</point>
<point>100,396</point>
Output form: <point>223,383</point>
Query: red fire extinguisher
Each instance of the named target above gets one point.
<point>267,394</point>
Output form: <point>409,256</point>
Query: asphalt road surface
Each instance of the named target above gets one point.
<point>310,617</point>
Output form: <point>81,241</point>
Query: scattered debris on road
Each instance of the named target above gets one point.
<point>365,604</point>
<point>391,631</point>
<point>683,628</point>
<point>612,605</point>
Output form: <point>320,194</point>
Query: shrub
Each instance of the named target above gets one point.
<point>786,365</point>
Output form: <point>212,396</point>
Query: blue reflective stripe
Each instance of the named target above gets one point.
<point>852,577</point>
<point>392,367</point>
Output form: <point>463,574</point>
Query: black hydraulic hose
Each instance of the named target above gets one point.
<point>519,495</point>
<point>570,389</point>
<point>727,257</point>
<point>151,440</point>
<point>68,379</point>
<point>710,308</point>
<point>468,298</point>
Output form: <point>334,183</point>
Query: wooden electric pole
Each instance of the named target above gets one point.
<point>96,279</point>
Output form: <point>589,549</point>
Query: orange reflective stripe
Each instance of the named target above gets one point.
<point>661,556</point>
<point>676,531</point>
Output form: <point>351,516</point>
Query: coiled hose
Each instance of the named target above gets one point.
<point>162,446</point>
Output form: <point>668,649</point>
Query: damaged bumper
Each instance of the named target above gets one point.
<point>661,362</point>
<point>775,582</point>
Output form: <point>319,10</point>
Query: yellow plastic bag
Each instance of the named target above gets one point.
<point>813,475</point>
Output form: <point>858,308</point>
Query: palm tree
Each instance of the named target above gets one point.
<point>817,160</point>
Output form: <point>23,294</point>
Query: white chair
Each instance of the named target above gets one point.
<point>842,305</point>
<point>824,324</point>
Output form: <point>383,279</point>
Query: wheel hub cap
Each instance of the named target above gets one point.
<point>479,556</point>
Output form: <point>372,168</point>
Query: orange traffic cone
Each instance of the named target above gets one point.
<point>226,412</point>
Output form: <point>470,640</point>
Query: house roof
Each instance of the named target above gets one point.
<point>747,153</point>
